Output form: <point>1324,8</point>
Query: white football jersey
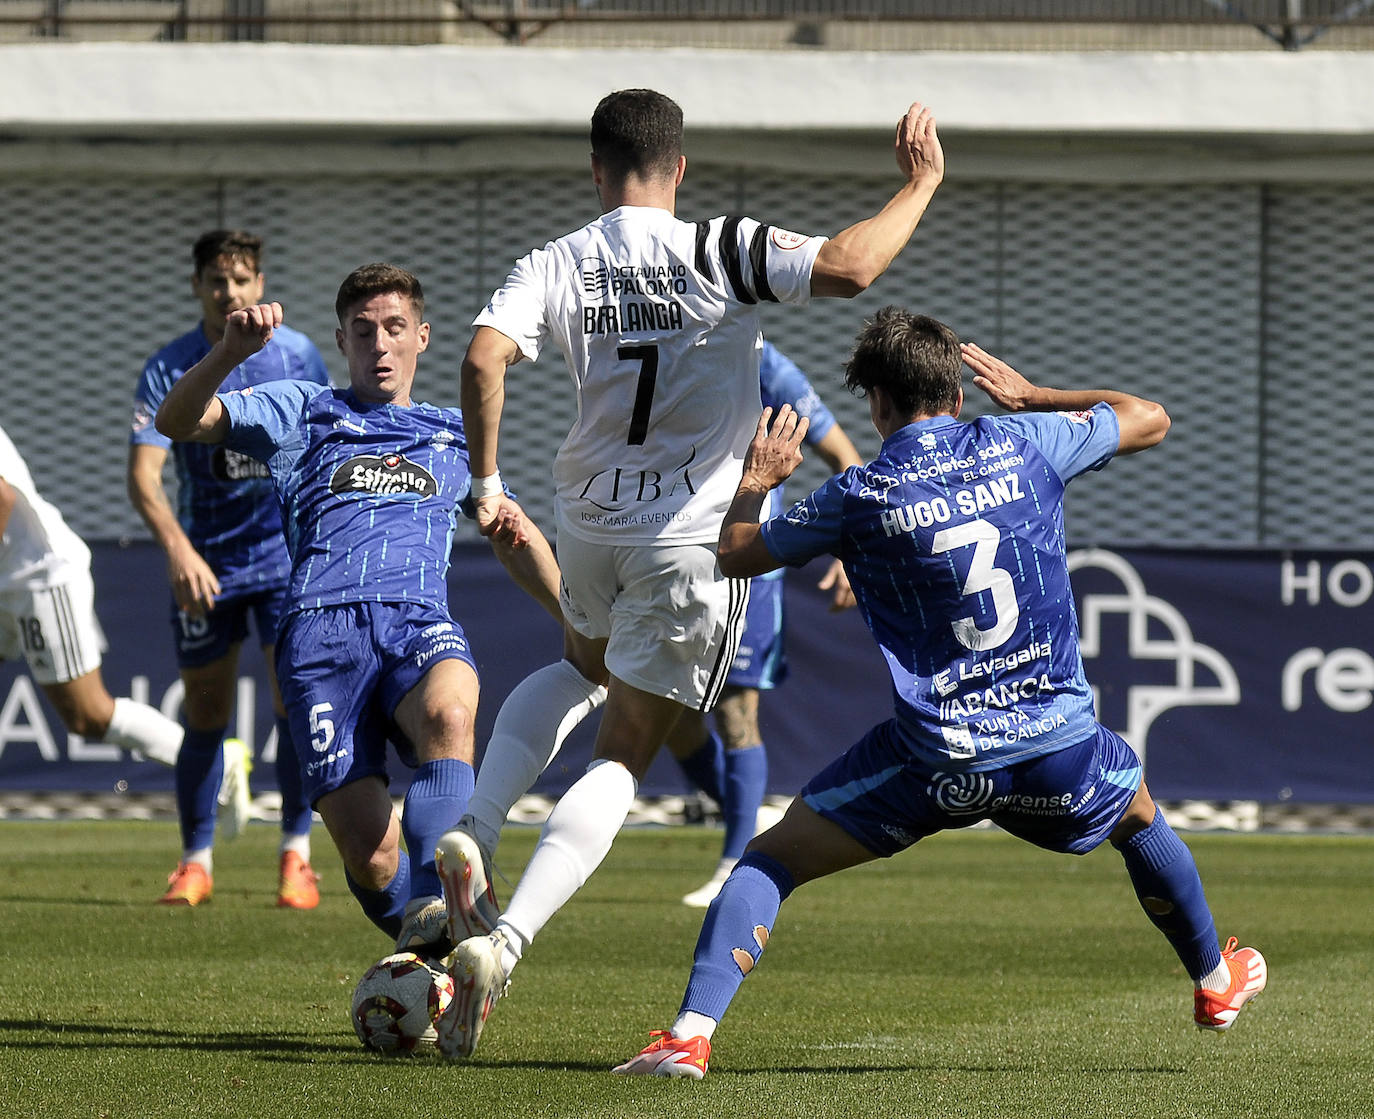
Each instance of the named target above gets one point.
<point>36,545</point>
<point>658,321</point>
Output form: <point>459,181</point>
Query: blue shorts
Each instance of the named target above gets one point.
<point>201,641</point>
<point>1067,801</point>
<point>343,669</point>
<point>760,662</point>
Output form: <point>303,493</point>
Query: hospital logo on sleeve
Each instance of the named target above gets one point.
<point>383,475</point>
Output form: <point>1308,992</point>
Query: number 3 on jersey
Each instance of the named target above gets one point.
<point>983,575</point>
<point>644,389</point>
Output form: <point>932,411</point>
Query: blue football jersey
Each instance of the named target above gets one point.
<point>953,540</point>
<point>781,382</point>
<point>225,501</point>
<point>369,491</point>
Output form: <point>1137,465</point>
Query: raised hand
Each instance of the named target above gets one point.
<point>248,330</point>
<point>919,154</point>
<point>1003,384</point>
<point>776,449</point>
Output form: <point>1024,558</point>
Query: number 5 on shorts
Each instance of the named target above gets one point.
<point>321,729</point>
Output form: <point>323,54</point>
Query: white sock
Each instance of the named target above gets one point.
<point>576,838</point>
<point>529,731</point>
<point>512,948</point>
<point>202,856</point>
<point>136,726</point>
<point>298,843</point>
<point>691,1024</point>
<point>1218,979</point>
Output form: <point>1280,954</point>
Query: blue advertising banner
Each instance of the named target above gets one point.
<point>1236,675</point>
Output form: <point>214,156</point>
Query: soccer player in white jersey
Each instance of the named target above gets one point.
<point>953,538</point>
<point>47,616</point>
<point>657,319</point>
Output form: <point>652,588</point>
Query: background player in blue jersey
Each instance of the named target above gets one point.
<point>730,764</point>
<point>369,482</point>
<point>953,538</point>
<point>226,559</point>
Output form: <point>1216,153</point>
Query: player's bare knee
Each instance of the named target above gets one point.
<point>448,731</point>
<point>373,870</point>
<point>737,718</point>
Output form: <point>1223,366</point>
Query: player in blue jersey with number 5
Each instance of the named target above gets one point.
<point>953,538</point>
<point>226,561</point>
<point>369,481</point>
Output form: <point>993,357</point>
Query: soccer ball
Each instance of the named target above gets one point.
<point>397,1002</point>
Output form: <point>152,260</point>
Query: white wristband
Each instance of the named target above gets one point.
<point>487,486</point>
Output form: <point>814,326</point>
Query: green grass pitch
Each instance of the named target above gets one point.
<point>974,976</point>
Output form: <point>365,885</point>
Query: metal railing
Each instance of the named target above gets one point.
<point>818,24</point>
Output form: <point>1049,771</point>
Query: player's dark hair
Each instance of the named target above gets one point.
<point>637,131</point>
<point>237,244</point>
<point>913,358</point>
<point>378,279</point>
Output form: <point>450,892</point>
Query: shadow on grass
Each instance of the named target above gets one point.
<point>86,1036</point>
<point>292,1048</point>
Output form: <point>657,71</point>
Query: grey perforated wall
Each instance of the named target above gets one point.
<point>1240,307</point>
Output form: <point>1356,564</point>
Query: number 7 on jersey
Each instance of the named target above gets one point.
<point>644,390</point>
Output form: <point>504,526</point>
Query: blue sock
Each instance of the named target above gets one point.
<point>295,809</point>
<point>1167,883</point>
<point>199,769</point>
<point>385,907</point>
<point>735,932</point>
<point>746,778</point>
<point>705,768</point>
<point>437,798</point>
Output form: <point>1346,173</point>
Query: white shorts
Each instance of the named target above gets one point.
<point>54,629</point>
<point>672,621</point>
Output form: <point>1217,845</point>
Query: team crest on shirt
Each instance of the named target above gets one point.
<point>383,475</point>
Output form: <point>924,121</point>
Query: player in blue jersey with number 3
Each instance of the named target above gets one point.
<point>953,538</point>
<point>369,481</point>
<point>730,764</point>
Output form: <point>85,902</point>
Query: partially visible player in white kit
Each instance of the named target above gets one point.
<point>47,616</point>
<point>658,322</point>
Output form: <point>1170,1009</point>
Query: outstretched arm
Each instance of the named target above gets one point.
<point>190,412</point>
<point>851,260</point>
<point>1143,423</point>
<point>773,455</point>
<point>482,396</point>
<point>531,565</point>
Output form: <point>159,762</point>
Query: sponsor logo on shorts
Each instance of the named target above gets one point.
<point>383,475</point>
<point>961,794</point>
